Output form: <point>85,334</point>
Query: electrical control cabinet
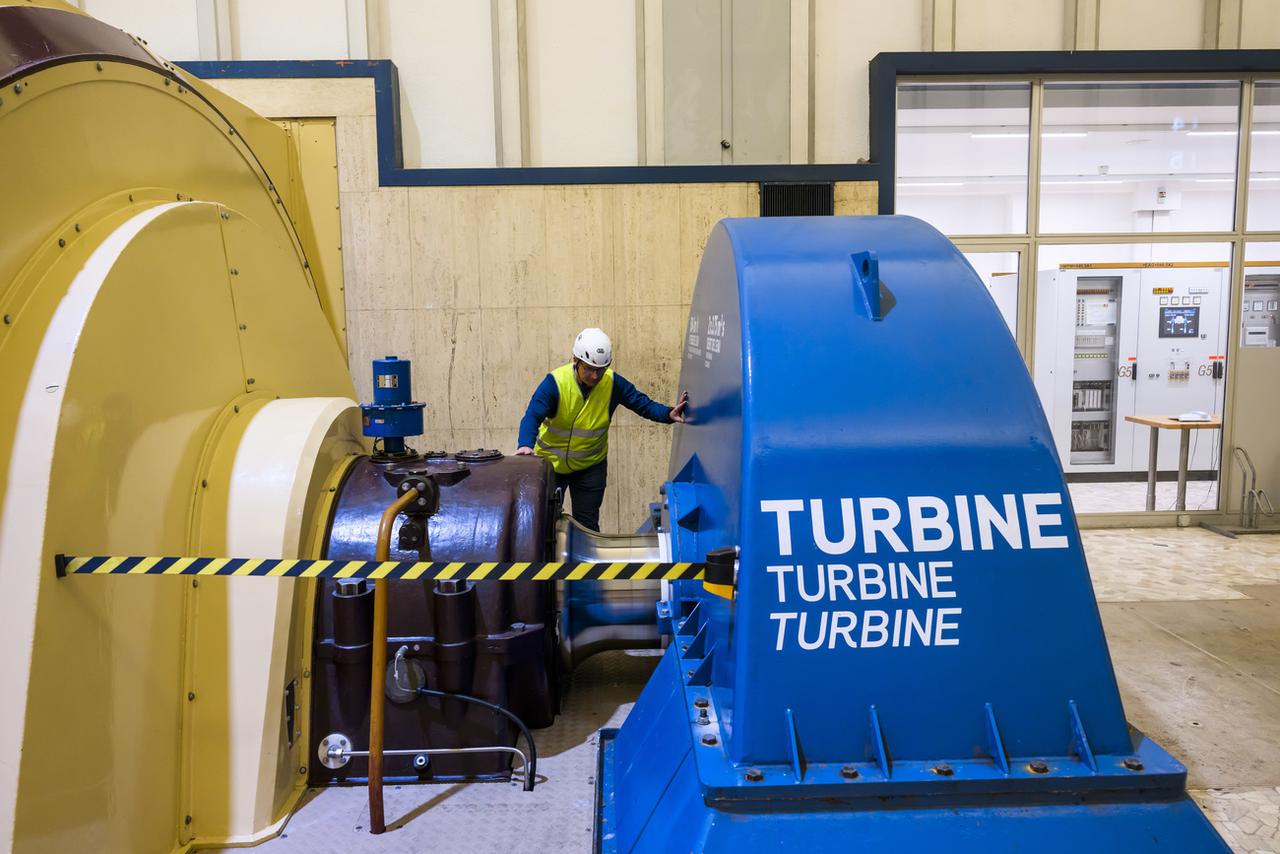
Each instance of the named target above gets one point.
<point>1260,310</point>
<point>1093,369</point>
<point>1115,340</point>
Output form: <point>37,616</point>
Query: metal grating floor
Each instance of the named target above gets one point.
<point>488,817</point>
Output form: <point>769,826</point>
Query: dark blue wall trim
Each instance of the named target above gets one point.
<point>391,171</point>
<point>885,71</point>
<point>887,68</point>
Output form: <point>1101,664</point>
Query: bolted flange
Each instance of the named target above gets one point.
<point>334,750</point>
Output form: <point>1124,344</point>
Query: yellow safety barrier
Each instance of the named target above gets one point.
<point>399,570</point>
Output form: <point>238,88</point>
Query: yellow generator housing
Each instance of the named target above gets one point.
<point>171,382</point>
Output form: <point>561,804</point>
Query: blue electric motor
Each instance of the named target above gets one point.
<point>393,415</point>
<point>897,647</point>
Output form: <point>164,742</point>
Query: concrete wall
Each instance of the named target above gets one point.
<point>498,281</point>
<point>485,287</point>
<point>575,82</point>
<point>570,82</point>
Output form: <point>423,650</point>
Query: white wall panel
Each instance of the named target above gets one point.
<point>444,53</point>
<point>581,58</point>
<point>693,81</point>
<point>1010,24</point>
<point>1150,24</point>
<point>582,82</point>
<point>1260,24</point>
<point>761,59</point>
<point>169,26</point>
<point>289,29</point>
<point>848,33</point>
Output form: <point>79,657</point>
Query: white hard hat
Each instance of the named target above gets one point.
<point>593,347</point>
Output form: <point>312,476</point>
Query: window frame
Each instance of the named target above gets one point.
<point>1037,68</point>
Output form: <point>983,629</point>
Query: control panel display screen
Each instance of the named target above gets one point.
<point>1179,322</point>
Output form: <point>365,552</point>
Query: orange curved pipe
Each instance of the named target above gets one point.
<point>377,688</point>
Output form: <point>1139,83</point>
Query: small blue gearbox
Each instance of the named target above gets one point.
<point>393,415</point>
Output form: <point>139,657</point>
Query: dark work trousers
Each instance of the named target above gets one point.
<point>586,488</point>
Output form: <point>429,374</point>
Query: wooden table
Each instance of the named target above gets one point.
<point>1164,422</point>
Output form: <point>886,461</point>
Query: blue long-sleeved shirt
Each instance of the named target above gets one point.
<point>546,399</point>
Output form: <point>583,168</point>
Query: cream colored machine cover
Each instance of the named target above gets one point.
<point>170,383</point>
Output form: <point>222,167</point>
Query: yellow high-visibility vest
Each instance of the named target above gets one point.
<point>577,436</point>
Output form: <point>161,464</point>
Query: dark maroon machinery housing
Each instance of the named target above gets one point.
<point>492,640</point>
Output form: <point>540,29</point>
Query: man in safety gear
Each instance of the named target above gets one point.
<point>567,421</point>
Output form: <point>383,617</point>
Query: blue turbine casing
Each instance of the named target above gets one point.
<point>393,415</point>
<point>914,654</point>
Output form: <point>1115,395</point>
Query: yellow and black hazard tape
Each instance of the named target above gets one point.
<point>406,570</point>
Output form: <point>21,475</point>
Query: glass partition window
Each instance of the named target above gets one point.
<point>1125,332</point>
<point>962,155</point>
<point>1260,297</point>
<point>1264,160</point>
<point>1127,310</point>
<point>999,272</point>
<point>1138,157</point>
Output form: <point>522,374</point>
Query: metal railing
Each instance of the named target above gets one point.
<point>1252,498</point>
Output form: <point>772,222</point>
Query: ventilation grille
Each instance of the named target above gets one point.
<point>798,199</point>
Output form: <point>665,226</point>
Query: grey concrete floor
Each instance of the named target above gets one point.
<point>1193,622</point>
<point>1130,496</point>
<point>1203,679</point>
